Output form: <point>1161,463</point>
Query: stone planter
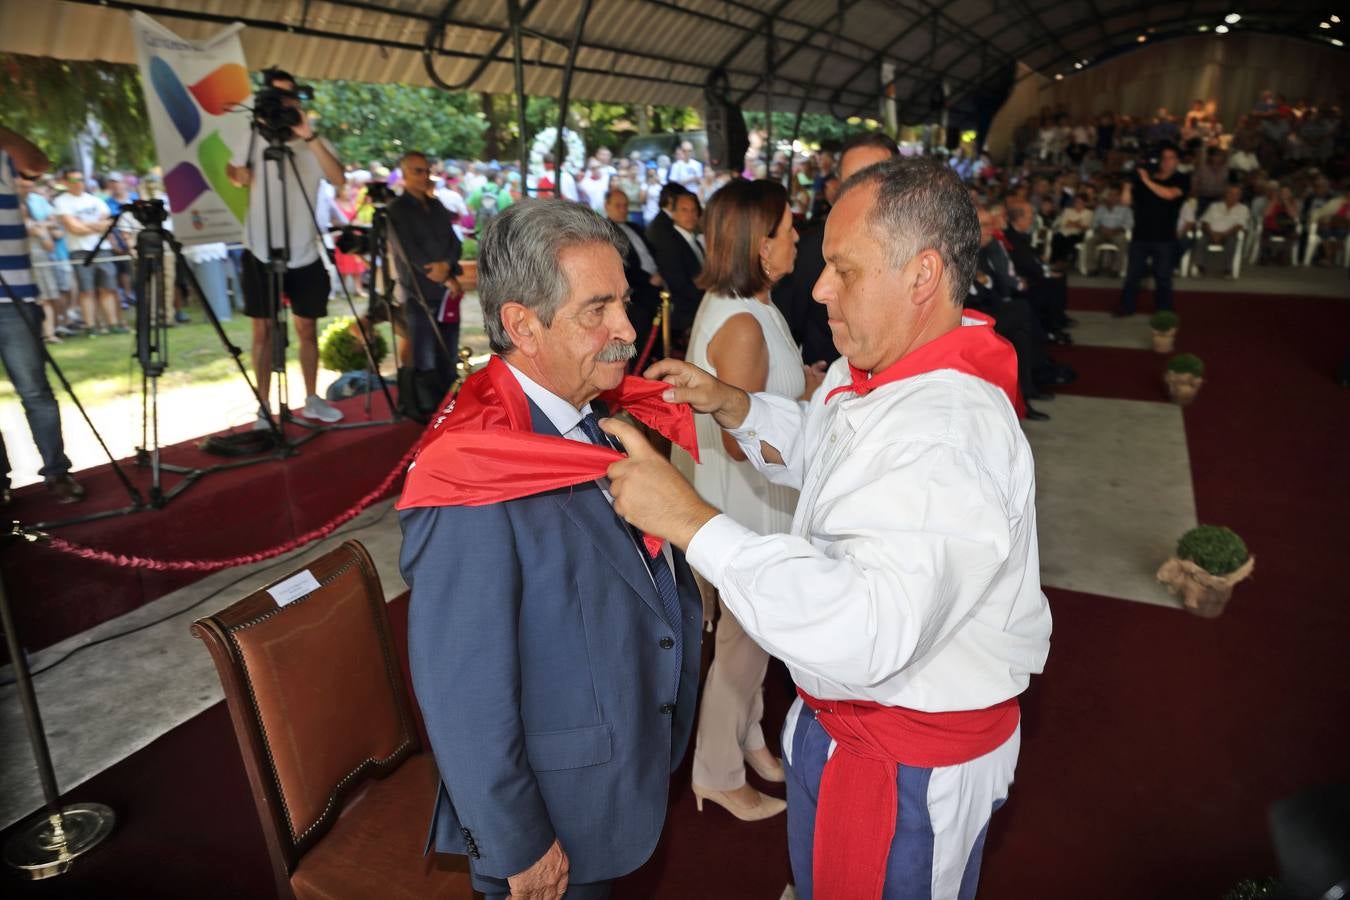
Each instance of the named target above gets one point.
<point>1164,341</point>
<point>1182,387</point>
<point>1201,593</point>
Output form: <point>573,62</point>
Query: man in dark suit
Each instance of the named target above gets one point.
<point>639,267</point>
<point>554,659</point>
<point>1048,293</point>
<point>679,256</point>
<point>994,292</point>
<point>792,295</point>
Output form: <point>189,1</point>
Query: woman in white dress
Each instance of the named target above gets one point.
<point>742,338</point>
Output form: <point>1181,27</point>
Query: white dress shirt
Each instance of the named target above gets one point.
<point>693,241</point>
<point>911,576</point>
<point>567,419</point>
<point>645,258</point>
<point>1220,218</point>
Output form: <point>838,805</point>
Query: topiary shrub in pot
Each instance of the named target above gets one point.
<point>468,262</point>
<point>1185,374</point>
<point>1164,324</point>
<point>340,346</point>
<point>1209,561</point>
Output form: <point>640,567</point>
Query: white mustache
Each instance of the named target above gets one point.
<point>617,351</point>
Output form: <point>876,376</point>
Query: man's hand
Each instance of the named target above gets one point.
<point>656,280</point>
<point>437,271</point>
<point>453,284</point>
<point>727,404</point>
<point>303,130</point>
<point>545,880</point>
<point>239,176</point>
<point>648,492</point>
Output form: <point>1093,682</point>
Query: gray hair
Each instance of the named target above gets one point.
<point>923,205</point>
<point>518,259</point>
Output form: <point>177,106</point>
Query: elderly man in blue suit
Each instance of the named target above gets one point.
<point>554,659</point>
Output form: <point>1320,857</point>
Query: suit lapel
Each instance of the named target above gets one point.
<point>586,506</point>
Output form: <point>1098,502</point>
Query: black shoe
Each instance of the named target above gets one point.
<point>1061,337</point>
<point>65,489</point>
<point>1035,415</point>
<point>1070,322</point>
<point>1119,313</point>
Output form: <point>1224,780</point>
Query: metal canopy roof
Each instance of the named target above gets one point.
<point>824,55</point>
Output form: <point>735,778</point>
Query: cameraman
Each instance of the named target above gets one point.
<point>1157,198</point>
<point>306,281</point>
<point>427,261</point>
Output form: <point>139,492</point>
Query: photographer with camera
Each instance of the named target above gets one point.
<point>427,261</point>
<point>1156,192</point>
<point>288,200</point>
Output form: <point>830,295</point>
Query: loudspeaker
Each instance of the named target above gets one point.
<point>728,139</point>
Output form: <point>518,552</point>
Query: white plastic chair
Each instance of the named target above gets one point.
<point>1314,240</point>
<point>1234,264</point>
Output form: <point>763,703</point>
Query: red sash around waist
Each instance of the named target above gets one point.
<point>859,803</point>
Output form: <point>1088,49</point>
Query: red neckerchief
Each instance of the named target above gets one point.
<point>483,449</point>
<point>858,799</point>
<point>974,348</point>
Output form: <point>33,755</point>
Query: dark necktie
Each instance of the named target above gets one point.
<point>656,566</point>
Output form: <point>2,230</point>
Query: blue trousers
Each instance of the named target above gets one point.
<point>910,864</point>
<point>1162,255</point>
<point>22,356</point>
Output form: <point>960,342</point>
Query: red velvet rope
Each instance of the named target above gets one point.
<point>62,545</point>
<point>647,348</point>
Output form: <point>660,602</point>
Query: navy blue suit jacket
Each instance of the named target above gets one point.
<point>539,659</point>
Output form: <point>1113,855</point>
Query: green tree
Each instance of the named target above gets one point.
<point>50,101</point>
<point>383,121</point>
<point>816,128</point>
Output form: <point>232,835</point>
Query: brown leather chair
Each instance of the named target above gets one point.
<point>318,702</point>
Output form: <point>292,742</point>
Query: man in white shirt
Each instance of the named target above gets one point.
<point>1221,226</point>
<point>305,281</point>
<point>1111,224</point>
<point>906,601</point>
<point>594,186</point>
<point>85,217</point>
<point>686,170</point>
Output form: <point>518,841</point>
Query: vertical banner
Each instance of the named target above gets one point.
<point>192,89</point>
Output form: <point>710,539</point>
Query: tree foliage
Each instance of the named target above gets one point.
<point>50,101</point>
<point>816,128</point>
<point>383,121</point>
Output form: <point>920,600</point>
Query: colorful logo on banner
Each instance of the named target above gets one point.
<point>218,93</point>
<point>195,124</point>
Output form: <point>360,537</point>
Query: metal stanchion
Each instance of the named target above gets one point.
<point>56,837</point>
<point>665,323</point>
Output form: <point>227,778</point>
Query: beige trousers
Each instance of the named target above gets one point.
<point>732,704</point>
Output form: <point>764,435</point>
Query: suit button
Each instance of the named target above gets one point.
<point>667,709</point>
<point>667,643</point>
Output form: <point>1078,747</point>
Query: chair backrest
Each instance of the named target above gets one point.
<point>315,692</point>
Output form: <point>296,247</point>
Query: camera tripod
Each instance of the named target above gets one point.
<point>152,317</point>
<point>278,155</point>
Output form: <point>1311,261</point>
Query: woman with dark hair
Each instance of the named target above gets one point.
<point>740,336</point>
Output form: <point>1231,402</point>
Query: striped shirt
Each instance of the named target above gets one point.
<point>14,265</point>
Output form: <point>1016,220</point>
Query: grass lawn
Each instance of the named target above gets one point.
<point>103,368</point>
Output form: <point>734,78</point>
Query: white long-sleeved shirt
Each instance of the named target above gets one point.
<point>911,575</point>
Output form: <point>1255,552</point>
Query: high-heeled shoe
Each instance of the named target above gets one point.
<point>772,772</point>
<point>767,807</point>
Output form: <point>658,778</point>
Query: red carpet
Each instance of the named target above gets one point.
<point>1152,745</point>
<point>224,514</point>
